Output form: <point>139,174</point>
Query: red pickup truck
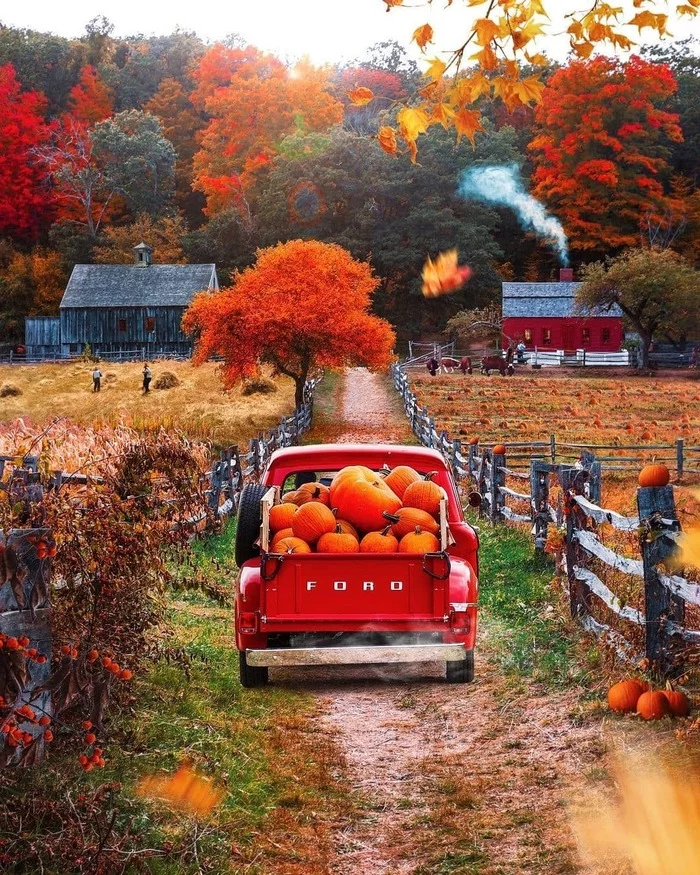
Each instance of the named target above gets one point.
<point>331,609</point>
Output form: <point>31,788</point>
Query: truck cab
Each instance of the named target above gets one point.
<point>302,609</point>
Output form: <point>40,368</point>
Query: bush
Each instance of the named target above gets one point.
<point>108,542</point>
<point>258,386</point>
<point>9,391</point>
<point>167,380</point>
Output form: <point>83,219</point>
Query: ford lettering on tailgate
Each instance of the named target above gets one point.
<point>393,587</point>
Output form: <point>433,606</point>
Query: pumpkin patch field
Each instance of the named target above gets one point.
<point>621,411</point>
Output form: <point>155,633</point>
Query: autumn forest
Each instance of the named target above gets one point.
<point>209,151</point>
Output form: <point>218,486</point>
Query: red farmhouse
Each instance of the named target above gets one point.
<point>544,315</point>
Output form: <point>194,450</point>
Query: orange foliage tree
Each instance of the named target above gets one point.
<point>90,101</point>
<point>304,305</point>
<point>502,41</point>
<point>253,100</point>
<point>600,148</point>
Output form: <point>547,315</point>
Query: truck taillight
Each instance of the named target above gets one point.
<point>459,621</point>
<point>249,622</point>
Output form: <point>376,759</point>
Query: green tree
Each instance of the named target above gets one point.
<point>138,162</point>
<point>342,188</point>
<point>656,290</point>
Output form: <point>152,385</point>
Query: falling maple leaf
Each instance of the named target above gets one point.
<point>186,789</point>
<point>423,35</point>
<point>444,275</point>
<point>467,123</point>
<point>360,96</point>
<point>387,139</point>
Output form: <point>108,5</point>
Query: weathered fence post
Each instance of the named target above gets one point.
<point>498,479</point>
<point>657,518</point>
<point>592,487</point>
<point>679,456</point>
<point>553,448</point>
<point>539,490</point>
<point>456,455</point>
<point>571,482</point>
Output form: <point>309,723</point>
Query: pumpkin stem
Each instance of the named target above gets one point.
<point>386,531</point>
<point>392,517</point>
<point>418,530</point>
<point>430,475</point>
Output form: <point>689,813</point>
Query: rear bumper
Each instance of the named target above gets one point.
<point>356,655</point>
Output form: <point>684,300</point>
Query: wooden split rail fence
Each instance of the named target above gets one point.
<point>577,515</point>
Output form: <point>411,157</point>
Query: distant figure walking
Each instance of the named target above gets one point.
<point>96,379</point>
<point>147,377</point>
<point>694,356</point>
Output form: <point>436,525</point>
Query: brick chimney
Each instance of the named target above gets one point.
<point>566,274</point>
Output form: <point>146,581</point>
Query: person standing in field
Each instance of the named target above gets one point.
<point>96,379</point>
<point>147,377</point>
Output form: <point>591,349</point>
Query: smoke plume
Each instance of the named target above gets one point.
<point>503,186</point>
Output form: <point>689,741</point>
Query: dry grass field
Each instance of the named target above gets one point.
<point>198,405</point>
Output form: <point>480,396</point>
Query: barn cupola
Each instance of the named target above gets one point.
<point>143,255</point>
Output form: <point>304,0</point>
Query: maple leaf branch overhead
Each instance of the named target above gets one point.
<point>507,34</point>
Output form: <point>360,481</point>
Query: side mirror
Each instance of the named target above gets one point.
<point>474,499</point>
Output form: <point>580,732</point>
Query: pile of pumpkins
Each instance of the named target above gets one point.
<point>362,511</point>
<point>633,695</point>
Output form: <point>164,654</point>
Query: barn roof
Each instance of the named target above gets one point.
<point>132,285</point>
<point>546,299</point>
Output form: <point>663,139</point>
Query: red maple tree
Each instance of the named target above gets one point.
<point>600,148</point>
<point>90,101</point>
<point>25,200</point>
<point>253,100</point>
<point>304,305</point>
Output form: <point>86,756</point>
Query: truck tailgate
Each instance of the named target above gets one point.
<point>354,587</point>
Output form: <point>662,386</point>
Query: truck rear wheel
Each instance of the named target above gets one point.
<point>461,671</point>
<point>248,523</point>
<point>251,675</point>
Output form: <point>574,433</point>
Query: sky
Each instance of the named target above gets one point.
<point>328,31</point>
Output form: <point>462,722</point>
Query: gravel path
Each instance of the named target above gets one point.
<point>455,778</point>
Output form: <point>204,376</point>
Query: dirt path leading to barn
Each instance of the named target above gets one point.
<point>452,778</point>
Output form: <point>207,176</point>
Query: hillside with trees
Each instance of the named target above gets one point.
<point>210,151</point>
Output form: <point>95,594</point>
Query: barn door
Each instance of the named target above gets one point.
<point>569,337</point>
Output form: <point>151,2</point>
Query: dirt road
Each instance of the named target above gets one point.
<point>452,778</point>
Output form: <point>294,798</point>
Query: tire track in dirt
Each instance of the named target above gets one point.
<point>453,778</point>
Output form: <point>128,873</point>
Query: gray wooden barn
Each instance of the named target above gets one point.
<point>123,308</point>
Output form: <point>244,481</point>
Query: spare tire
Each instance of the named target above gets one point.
<point>248,523</point>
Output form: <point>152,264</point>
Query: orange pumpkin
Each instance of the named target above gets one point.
<point>652,705</point>
<point>290,497</point>
<point>419,541</point>
<point>474,441</point>
<point>623,697</point>
<point>313,492</point>
<point>406,519</point>
<point>654,475</point>
<point>281,516</point>
<point>312,520</point>
<point>363,499</point>
<point>283,533</point>
<point>348,528</point>
<point>678,703</point>
<point>379,542</point>
<point>350,472</point>
<point>499,450</point>
<point>401,477</point>
<point>292,545</point>
<point>337,542</point>
<point>425,495</point>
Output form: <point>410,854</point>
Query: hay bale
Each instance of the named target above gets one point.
<point>110,378</point>
<point>258,386</point>
<point>167,380</point>
<point>7,390</point>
